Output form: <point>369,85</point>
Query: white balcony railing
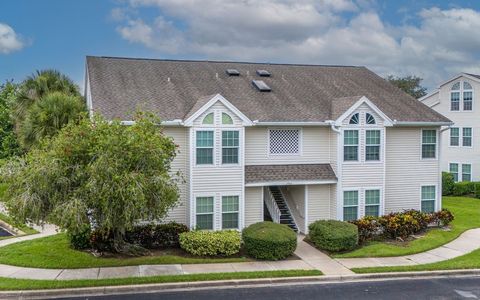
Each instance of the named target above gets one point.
<point>272,205</point>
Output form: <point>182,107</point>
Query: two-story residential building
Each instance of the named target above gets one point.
<point>290,143</point>
<point>460,147</point>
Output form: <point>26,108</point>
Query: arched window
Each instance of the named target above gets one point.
<point>208,120</point>
<point>461,95</point>
<point>355,119</point>
<point>226,119</point>
<point>370,119</point>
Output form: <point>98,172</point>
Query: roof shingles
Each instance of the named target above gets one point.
<point>289,173</point>
<point>171,89</point>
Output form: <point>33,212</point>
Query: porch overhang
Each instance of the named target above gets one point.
<point>292,174</point>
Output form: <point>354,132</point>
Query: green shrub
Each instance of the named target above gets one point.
<point>80,239</point>
<point>442,218</point>
<point>368,228</point>
<point>156,236</point>
<point>447,183</point>
<point>269,241</point>
<point>334,236</point>
<point>211,243</point>
<point>477,190</point>
<point>463,188</point>
<point>404,224</point>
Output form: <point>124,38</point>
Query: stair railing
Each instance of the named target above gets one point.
<point>272,205</point>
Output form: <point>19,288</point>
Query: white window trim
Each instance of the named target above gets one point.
<point>436,144</point>
<point>460,102</point>
<point>380,160</point>
<point>358,201</point>
<point>471,138</point>
<point>283,155</point>
<point>194,208</point>
<point>359,150</point>
<point>459,137</point>
<point>239,210</point>
<point>471,172</point>
<point>437,202</point>
<point>238,147</point>
<point>380,204</point>
<point>213,147</point>
<point>458,170</point>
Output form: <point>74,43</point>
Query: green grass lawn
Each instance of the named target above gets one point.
<point>467,261</point>
<point>54,252</point>
<point>24,284</point>
<point>467,216</point>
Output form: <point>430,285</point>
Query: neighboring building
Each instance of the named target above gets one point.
<point>460,145</point>
<point>292,143</point>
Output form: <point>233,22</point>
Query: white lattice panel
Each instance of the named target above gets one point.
<point>284,141</point>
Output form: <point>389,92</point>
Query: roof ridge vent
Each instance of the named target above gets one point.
<point>233,72</point>
<point>261,86</point>
<point>263,73</point>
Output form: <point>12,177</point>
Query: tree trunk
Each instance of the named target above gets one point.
<point>121,246</point>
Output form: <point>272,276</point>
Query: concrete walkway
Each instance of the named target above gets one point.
<point>319,260</point>
<point>46,230</point>
<point>464,244</point>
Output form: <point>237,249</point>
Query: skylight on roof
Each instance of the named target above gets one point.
<point>263,73</point>
<point>233,72</point>
<point>261,85</point>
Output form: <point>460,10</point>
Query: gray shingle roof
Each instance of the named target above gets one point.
<point>172,89</point>
<point>291,173</point>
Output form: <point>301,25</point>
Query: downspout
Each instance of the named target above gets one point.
<point>332,125</point>
<point>337,130</point>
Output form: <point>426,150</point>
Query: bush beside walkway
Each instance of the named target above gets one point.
<point>467,216</point>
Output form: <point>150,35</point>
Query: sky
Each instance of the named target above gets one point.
<point>431,39</point>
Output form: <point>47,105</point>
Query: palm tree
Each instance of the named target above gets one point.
<point>38,85</point>
<point>48,115</point>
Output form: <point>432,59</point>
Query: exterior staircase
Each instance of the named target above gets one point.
<point>285,214</point>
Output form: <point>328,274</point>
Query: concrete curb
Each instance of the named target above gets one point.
<point>237,283</point>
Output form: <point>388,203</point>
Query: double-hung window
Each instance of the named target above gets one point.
<point>372,203</point>
<point>429,143</point>
<point>466,172</point>
<point>350,145</point>
<point>230,147</point>
<point>350,205</point>
<point>454,171</point>
<point>372,148</point>
<point>428,198</point>
<point>467,136</point>
<point>204,213</point>
<point>204,147</point>
<point>455,136</point>
<point>467,96</point>
<point>230,209</point>
<point>455,101</point>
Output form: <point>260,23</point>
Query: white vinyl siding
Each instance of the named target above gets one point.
<point>180,163</point>
<point>315,147</point>
<point>405,170</point>
<point>253,205</point>
<point>319,202</point>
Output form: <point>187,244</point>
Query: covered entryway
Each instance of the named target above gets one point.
<point>285,191</point>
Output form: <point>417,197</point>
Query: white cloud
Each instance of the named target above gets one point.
<point>309,31</point>
<point>9,40</point>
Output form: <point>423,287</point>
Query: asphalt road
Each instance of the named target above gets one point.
<point>440,288</point>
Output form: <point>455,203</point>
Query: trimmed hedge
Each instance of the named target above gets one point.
<point>269,241</point>
<point>463,188</point>
<point>211,243</point>
<point>333,236</point>
<point>448,182</point>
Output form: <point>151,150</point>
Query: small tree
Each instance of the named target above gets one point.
<point>8,139</point>
<point>96,173</point>
<point>409,84</point>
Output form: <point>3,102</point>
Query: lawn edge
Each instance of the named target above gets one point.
<point>233,283</point>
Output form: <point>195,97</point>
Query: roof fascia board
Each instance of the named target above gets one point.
<point>414,123</point>
<point>363,99</point>
<point>163,123</point>
<point>289,182</point>
<point>458,76</point>
<point>428,95</point>
<point>260,123</point>
<point>246,121</point>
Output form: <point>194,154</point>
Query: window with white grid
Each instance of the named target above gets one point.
<point>284,141</point>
